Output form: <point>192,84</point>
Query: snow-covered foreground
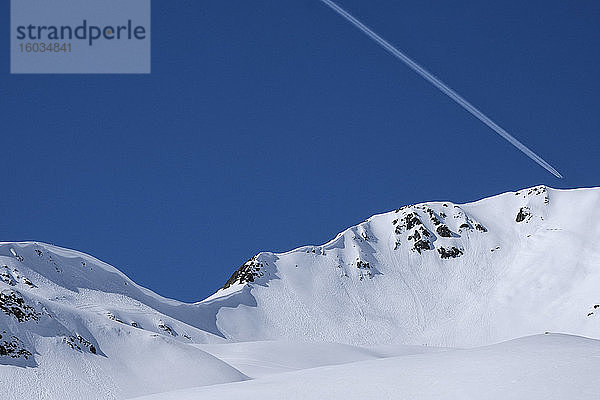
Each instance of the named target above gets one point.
<point>541,367</point>
<point>367,314</point>
<point>259,359</point>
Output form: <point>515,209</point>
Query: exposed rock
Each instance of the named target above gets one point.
<point>481,228</point>
<point>167,328</point>
<point>536,191</point>
<point>12,278</point>
<point>12,303</point>
<point>79,343</point>
<point>411,220</point>
<point>403,208</point>
<point>248,272</point>
<point>364,268</point>
<point>433,217</point>
<point>444,231</point>
<point>28,283</point>
<point>524,213</point>
<point>13,347</point>
<point>415,236</point>
<point>6,277</point>
<point>420,236</point>
<point>113,317</point>
<point>421,245</point>
<point>453,252</point>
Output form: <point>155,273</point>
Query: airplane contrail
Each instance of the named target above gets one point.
<point>443,87</point>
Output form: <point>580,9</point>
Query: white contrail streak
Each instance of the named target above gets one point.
<point>443,87</point>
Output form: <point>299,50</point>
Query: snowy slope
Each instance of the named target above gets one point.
<point>435,273</point>
<point>544,367</point>
<point>74,327</point>
<point>259,359</point>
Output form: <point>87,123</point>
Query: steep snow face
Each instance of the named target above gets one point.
<point>435,273</point>
<point>74,327</point>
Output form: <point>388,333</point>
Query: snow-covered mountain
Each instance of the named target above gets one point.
<point>434,274</point>
<point>73,327</point>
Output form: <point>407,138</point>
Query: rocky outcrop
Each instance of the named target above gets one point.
<point>452,252</point>
<point>418,223</point>
<point>11,346</point>
<point>524,214</point>
<point>166,328</point>
<point>444,231</point>
<point>364,268</point>
<point>13,304</point>
<point>78,343</point>
<point>247,273</point>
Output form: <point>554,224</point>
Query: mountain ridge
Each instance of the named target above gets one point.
<point>437,274</point>
<point>448,230</point>
<point>300,248</point>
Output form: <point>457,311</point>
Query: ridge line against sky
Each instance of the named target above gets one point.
<point>443,88</point>
<point>272,125</point>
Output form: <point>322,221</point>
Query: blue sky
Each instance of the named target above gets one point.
<point>267,125</point>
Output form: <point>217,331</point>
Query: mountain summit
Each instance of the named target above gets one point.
<point>435,274</point>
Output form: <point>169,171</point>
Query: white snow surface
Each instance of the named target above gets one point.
<point>381,311</point>
<point>512,279</point>
<point>259,359</point>
<point>94,334</point>
<point>543,367</point>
